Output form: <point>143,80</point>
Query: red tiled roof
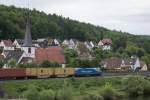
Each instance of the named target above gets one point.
<point>107,41</point>
<point>112,63</point>
<point>7,42</point>
<point>52,54</point>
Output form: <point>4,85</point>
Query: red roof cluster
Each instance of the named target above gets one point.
<point>52,54</point>
<point>117,62</point>
<point>7,42</point>
<point>112,63</point>
<point>107,41</point>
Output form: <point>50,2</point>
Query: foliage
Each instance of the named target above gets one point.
<point>28,65</point>
<point>47,95</point>
<point>91,88</point>
<point>136,86</point>
<point>1,64</point>
<point>66,93</point>
<point>146,58</point>
<point>70,54</point>
<point>92,95</point>
<point>47,63</point>
<point>32,94</point>
<point>110,93</point>
<point>12,63</point>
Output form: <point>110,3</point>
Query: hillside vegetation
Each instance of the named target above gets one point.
<point>13,20</point>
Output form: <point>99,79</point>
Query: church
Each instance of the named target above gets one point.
<point>28,52</point>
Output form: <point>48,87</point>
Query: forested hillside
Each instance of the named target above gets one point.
<point>13,20</point>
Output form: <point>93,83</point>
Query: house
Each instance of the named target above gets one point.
<point>125,64</point>
<point>18,43</point>
<point>53,42</point>
<point>41,40</point>
<point>88,45</point>
<point>12,54</point>
<point>52,54</point>
<point>112,63</point>
<point>6,45</point>
<point>71,44</point>
<point>93,44</point>
<point>105,44</point>
<point>57,42</point>
<point>83,51</point>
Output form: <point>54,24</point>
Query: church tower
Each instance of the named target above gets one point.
<point>28,48</point>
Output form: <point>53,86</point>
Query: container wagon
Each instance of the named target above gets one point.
<point>12,73</point>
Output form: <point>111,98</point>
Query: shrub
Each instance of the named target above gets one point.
<point>47,95</point>
<point>1,64</point>
<point>32,94</point>
<point>110,93</point>
<point>12,63</point>
<point>66,93</point>
<point>136,86</point>
<point>82,88</point>
<point>94,95</point>
<point>47,63</point>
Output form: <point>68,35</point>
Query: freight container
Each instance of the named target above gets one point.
<point>87,71</point>
<point>69,71</point>
<point>59,72</point>
<point>45,72</point>
<point>31,72</point>
<point>15,72</point>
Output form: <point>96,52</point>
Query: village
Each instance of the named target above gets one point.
<point>74,50</point>
<point>26,50</point>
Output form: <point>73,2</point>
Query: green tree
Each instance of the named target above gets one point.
<point>12,63</point>
<point>46,63</point>
<point>1,64</point>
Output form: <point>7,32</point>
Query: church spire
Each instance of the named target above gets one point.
<point>28,38</point>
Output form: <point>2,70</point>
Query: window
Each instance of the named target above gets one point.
<point>29,50</point>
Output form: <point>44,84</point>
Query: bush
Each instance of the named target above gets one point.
<point>1,64</point>
<point>82,88</point>
<point>32,94</point>
<point>47,63</point>
<point>66,93</point>
<point>12,63</point>
<point>110,93</point>
<point>47,95</point>
<point>94,95</point>
<point>136,86</point>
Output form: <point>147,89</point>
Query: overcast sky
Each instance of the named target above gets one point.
<point>127,15</point>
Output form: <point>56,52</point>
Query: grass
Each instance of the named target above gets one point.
<point>77,88</point>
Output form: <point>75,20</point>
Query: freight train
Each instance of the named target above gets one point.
<point>17,73</point>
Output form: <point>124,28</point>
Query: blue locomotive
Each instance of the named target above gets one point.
<point>88,72</point>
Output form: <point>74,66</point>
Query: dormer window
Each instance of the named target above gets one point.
<point>29,50</point>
